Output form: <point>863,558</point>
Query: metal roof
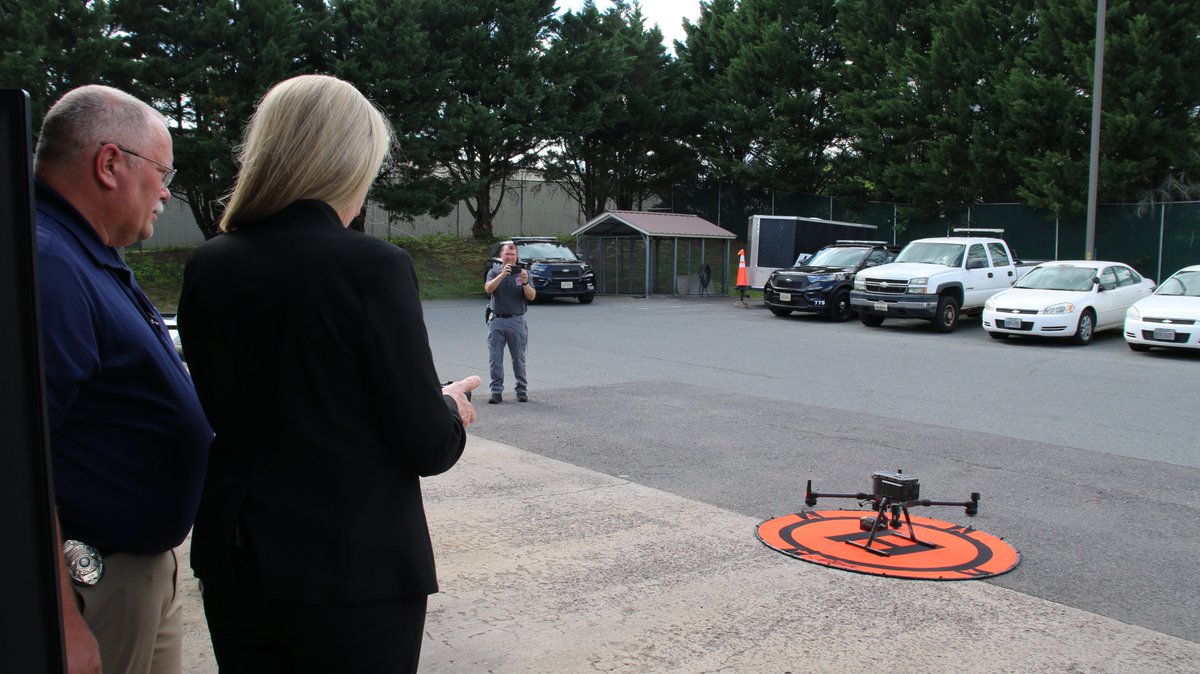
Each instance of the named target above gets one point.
<point>653,224</point>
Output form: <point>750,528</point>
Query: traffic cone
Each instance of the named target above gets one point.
<point>742,281</point>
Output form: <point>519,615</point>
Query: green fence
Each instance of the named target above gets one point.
<point>676,265</point>
<point>1157,239</point>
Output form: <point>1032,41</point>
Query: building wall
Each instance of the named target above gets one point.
<point>531,208</point>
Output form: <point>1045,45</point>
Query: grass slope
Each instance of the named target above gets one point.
<point>447,268</point>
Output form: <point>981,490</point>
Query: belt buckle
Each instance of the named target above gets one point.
<point>84,562</point>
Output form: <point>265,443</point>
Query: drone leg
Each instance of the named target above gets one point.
<point>881,522</point>
<point>911,535</point>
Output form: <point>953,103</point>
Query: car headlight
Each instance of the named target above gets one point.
<point>1061,308</point>
<point>821,278</point>
<point>919,285</point>
<point>989,304</point>
<point>860,283</point>
<point>1132,312</point>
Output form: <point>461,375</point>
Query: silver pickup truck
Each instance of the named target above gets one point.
<point>937,280</point>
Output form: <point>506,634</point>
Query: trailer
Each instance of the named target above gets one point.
<point>778,241</point>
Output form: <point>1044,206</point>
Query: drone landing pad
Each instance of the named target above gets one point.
<point>825,537</point>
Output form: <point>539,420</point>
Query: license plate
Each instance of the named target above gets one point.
<point>881,306</point>
<point>1165,334</point>
<point>785,297</point>
<point>1012,323</point>
<point>567,285</point>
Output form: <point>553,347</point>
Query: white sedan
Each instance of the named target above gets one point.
<point>1069,298</point>
<point>1168,317</point>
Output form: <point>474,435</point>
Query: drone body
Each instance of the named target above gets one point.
<point>893,494</point>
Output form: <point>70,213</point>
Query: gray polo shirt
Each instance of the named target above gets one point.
<point>508,298</point>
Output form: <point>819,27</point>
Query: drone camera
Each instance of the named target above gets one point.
<point>896,486</point>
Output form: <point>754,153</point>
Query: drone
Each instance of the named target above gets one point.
<point>893,494</point>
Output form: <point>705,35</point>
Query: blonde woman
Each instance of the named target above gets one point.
<point>310,355</point>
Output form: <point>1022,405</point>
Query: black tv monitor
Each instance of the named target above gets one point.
<point>30,624</point>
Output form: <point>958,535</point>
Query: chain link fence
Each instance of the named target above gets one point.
<point>1157,239</point>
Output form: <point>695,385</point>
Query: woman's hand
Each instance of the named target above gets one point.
<point>458,390</point>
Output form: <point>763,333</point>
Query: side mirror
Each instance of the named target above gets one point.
<point>976,264</point>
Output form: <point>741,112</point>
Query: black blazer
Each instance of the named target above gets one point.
<point>308,348</point>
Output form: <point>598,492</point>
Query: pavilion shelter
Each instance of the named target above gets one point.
<point>647,253</point>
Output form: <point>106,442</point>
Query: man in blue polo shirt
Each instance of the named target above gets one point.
<point>129,440</point>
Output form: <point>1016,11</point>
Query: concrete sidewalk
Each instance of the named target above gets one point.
<point>547,567</point>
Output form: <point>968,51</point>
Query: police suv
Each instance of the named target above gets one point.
<point>823,283</point>
<point>554,271</point>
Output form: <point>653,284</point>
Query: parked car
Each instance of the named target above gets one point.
<point>1168,317</point>
<point>1070,298</point>
<point>554,270</point>
<point>822,283</point>
<point>936,279</point>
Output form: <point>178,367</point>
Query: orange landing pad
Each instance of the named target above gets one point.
<point>825,536</point>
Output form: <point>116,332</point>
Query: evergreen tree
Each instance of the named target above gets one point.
<point>783,75</point>
<point>1148,105</point>
<point>718,127</point>
<point>384,47</point>
<point>760,76</point>
<point>205,64</point>
<point>48,48</point>
<point>616,143</point>
<point>922,101</point>
<point>494,110</point>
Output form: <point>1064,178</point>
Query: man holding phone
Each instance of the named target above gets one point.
<point>508,284</point>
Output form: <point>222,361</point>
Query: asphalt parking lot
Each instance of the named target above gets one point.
<point>1088,458</point>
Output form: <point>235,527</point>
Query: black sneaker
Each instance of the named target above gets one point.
<point>494,399</point>
<point>521,397</point>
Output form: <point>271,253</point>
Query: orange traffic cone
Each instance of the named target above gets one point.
<point>742,281</point>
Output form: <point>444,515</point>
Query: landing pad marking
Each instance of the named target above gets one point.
<point>823,537</point>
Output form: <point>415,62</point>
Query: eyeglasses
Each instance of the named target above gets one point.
<point>166,177</point>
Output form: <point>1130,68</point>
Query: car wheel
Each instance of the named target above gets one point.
<point>947,314</point>
<point>839,307</point>
<point>780,312</point>
<point>998,335</point>
<point>870,320</point>
<point>1137,347</point>
<point>586,299</point>
<point>1086,328</point>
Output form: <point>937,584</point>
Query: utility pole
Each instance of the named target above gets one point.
<point>1089,244</point>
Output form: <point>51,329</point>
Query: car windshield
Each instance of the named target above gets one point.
<point>838,257</point>
<point>545,250</point>
<point>1063,277</point>
<point>1184,284</point>
<point>949,254</point>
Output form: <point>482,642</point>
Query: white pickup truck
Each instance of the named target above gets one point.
<point>937,280</point>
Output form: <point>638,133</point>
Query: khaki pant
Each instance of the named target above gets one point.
<point>134,612</point>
